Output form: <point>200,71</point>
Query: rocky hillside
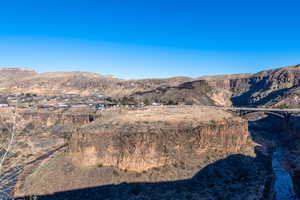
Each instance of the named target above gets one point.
<point>156,137</point>
<point>82,83</point>
<point>269,88</point>
<point>9,74</point>
<point>195,92</point>
<point>278,87</point>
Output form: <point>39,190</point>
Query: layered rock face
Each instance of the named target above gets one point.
<point>291,142</point>
<point>265,88</point>
<point>15,71</point>
<point>48,118</point>
<point>277,87</point>
<point>145,139</point>
<point>38,132</point>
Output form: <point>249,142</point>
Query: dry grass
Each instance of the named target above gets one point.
<point>174,114</point>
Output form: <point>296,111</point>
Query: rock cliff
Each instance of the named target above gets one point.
<point>277,87</point>
<point>165,150</point>
<point>48,118</point>
<point>157,137</point>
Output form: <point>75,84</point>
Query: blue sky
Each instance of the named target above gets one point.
<point>150,38</point>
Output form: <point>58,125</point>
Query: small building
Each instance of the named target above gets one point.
<point>62,106</point>
<point>79,106</point>
<point>100,106</point>
<point>155,104</point>
<point>4,105</point>
<point>44,106</point>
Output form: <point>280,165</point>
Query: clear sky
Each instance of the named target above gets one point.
<point>150,38</point>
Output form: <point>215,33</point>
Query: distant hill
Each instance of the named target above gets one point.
<point>276,87</point>
<point>13,73</point>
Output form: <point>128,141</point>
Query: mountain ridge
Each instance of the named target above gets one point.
<point>264,88</point>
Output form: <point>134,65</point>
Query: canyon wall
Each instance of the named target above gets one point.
<point>201,152</point>
<point>48,118</point>
<point>146,144</point>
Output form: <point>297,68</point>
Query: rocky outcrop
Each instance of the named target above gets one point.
<point>194,92</point>
<point>291,142</point>
<point>266,87</point>
<point>144,142</point>
<point>17,71</point>
<point>59,118</point>
<point>9,74</point>
<point>277,87</point>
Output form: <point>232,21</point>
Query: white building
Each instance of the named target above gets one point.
<point>3,105</point>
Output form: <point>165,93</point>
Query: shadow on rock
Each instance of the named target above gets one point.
<point>235,177</point>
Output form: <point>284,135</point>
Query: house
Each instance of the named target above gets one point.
<point>3,105</point>
<point>182,103</point>
<point>79,106</point>
<point>100,106</point>
<point>44,106</point>
<point>155,104</point>
<point>12,99</point>
<point>62,106</point>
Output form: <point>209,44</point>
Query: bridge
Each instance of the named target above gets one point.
<point>283,113</point>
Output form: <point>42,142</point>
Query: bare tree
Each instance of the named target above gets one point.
<point>10,160</point>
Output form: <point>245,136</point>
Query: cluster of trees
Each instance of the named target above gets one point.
<point>123,101</point>
<point>148,101</point>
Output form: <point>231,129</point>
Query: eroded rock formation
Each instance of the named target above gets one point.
<point>136,141</point>
<point>48,118</point>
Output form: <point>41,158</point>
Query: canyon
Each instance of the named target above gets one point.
<point>189,147</point>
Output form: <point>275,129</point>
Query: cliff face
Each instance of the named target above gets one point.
<point>143,144</point>
<point>277,87</point>
<point>291,141</point>
<point>38,132</point>
<point>59,118</point>
<point>265,88</point>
